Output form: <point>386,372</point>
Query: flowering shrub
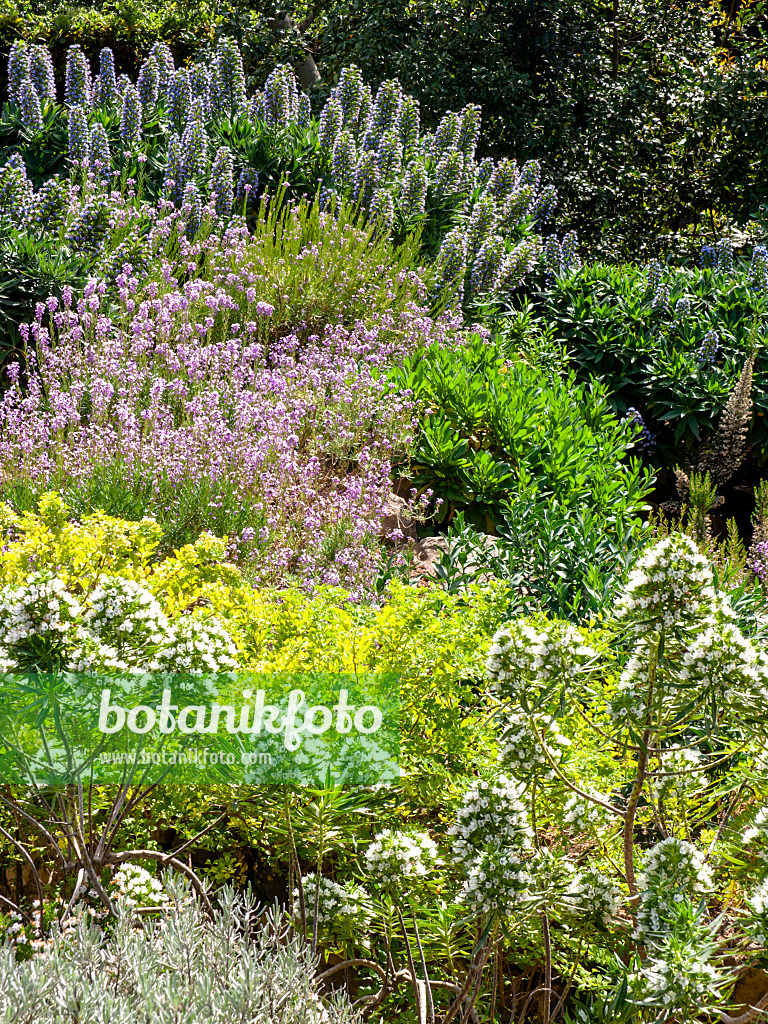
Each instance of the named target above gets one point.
<point>396,856</point>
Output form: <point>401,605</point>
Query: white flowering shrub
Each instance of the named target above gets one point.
<point>341,911</point>
<point>493,810</point>
<point>126,616</point>
<point>394,857</point>
<point>197,646</point>
<point>581,815</point>
<point>671,584</point>
<point>673,871</point>
<point>499,883</point>
<point>133,887</point>
<point>38,623</point>
<point>756,921</point>
<point>520,747</point>
<point>524,661</point>
<point>595,895</point>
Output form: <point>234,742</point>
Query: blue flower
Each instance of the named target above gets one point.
<point>344,159</point>
<point>504,180</point>
<point>79,136</point>
<point>90,228</point>
<point>331,120</point>
<point>15,187</point>
<point>18,69</point>
<point>482,222</point>
<point>382,211</point>
<point>646,441</point>
<point>29,106</point>
<point>165,66</point>
<point>222,181</point>
<point>724,256</point>
<point>200,86</point>
<point>366,179</point>
<point>107,80</point>
<point>194,146</point>
<point>229,75</point>
<point>661,297</point>
<point>682,308</point>
<point>484,276</point>
<point>545,204</point>
<point>758,270</point>
<point>709,347</point>
<point>281,97</point>
<point>517,264</point>
<point>247,186</point>
<point>41,73</point>
<point>148,83</point>
<point>451,265</point>
<point>179,99</point>
<point>101,158</point>
<point>408,123</point>
<point>389,157</point>
<point>130,118</point>
<point>385,111</point>
<point>449,171</point>
<point>469,130</point>
<point>304,111</point>
<point>413,197</point>
<point>654,273</point>
<point>192,208</point>
<point>50,203</point>
<point>350,91</point>
<point>77,87</point>
<point>447,134</point>
<point>485,171</point>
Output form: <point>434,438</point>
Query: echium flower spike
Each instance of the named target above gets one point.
<point>709,347</point>
<point>366,178</point>
<point>194,147</point>
<point>174,180</point>
<point>350,92</point>
<point>389,156</point>
<point>481,223</point>
<point>79,136</point>
<point>29,106</point>
<point>303,111</point>
<point>41,73</point>
<point>552,254</point>
<point>77,87</point>
<point>447,134</point>
<point>413,198</point>
<point>122,84</point>
<point>130,118</point>
<point>50,203</point>
<point>708,257</point>
<point>661,296</point>
<point>758,270</point>
<point>200,86</point>
<point>469,130</point>
<point>385,110</point>
<point>646,440</point>
<point>382,211</point>
<point>148,83</point>
<point>247,187</point>
<point>408,120</point>
<point>101,158</point>
<point>485,171</point>
<point>15,187</point>
<point>192,208</point>
<point>281,97</point>
<point>504,180</point>
<point>449,171</point>
<point>165,65</point>
<point>108,82</point>
<point>257,110</point>
<point>724,256</point>
<point>486,266</point>
<point>654,273</point>
<point>222,181</point>
<point>517,264</point>
<point>682,308</point>
<point>545,204</point>
<point>570,259</point>
<point>179,99</point>
<point>230,76</point>
<point>18,69</point>
<point>451,264</point>
<point>516,207</point>
<point>530,174</point>
<point>331,120</point>
<point>344,159</point>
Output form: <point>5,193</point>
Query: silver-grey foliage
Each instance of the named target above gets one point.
<point>240,967</point>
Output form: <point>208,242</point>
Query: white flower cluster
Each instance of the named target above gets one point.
<point>491,811</point>
<point>341,908</point>
<point>756,924</point>
<point>132,886</point>
<point>582,815</point>
<point>671,583</point>
<point>721,661</point>
<point>38,621</point>
<point>394,856</point>
<point>628,704</point>
<point>681,979</point>
<point>498,882</point>
<point>521,750</point>
<point>595,894</point>
<point>522,658</point>
<point>197,646</point>
<point>673,870</point>
<point>126,615</point>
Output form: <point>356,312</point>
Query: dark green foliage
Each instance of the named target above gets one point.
<point>651,360</point>
<point>496,431</point>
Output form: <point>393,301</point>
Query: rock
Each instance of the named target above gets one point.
<point>396,518</point>
<point>426,553</point>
